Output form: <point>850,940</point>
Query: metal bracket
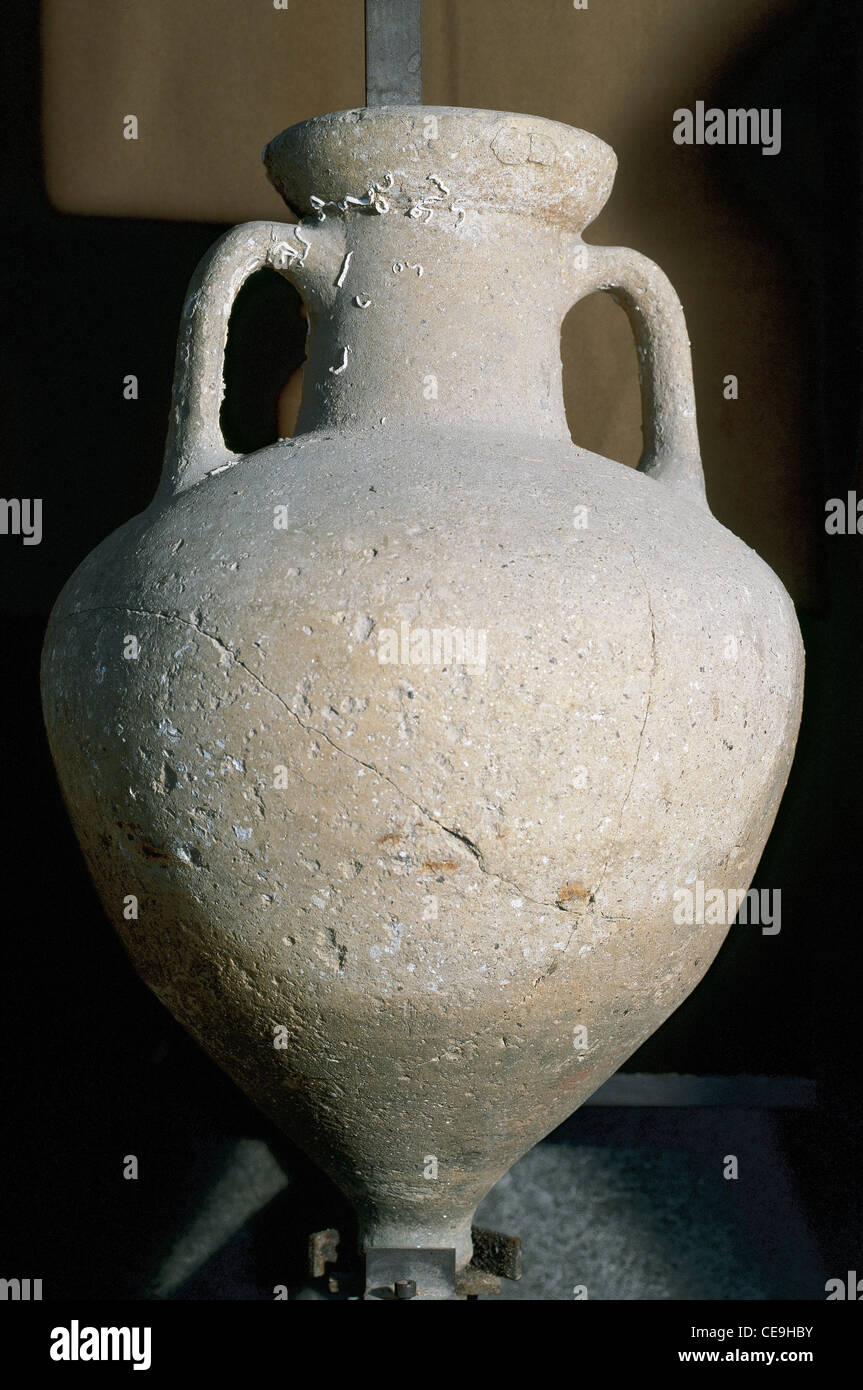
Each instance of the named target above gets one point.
<point>403,1274</point>
<point>410,1273</point>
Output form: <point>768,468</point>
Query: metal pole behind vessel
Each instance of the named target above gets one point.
<point>394,53</point>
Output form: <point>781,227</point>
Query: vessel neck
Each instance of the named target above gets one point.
<point>427,326</point>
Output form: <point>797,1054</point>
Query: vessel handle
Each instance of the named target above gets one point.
<point>671,452</point>
<point>195,444</point>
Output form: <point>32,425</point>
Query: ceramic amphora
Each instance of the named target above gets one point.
<point>392,746</point>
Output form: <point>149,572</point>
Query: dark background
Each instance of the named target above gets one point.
<point>93,1067</point>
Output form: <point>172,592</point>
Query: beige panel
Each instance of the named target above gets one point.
<point>212,80</point>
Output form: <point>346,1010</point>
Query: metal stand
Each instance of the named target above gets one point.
<point>394,78</point>
<point>399,1275</point>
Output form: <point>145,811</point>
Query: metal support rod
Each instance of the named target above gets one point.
<point>394,53</point>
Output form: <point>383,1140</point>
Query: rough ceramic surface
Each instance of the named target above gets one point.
<point>430,872</point>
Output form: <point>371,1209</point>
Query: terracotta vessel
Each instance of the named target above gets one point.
<point>400,735</point>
